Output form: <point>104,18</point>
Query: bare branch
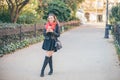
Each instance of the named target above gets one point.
<point>9,6</point>
<point>24,2</point>
<point>10,1</point>
<point>22,5</point>
<point>16,2</point>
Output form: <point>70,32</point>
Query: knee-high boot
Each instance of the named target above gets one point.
<point>51,66</point>
<point>46,61</point>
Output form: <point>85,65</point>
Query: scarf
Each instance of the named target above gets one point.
<point>53,25</point>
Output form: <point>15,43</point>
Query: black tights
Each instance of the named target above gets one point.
<point>46,61</point>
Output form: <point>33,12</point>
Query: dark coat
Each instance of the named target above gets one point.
<point>50,38</point>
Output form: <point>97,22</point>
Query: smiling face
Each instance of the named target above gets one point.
<point>51,19</point>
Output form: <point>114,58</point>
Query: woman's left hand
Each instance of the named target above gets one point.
<point>51,30</point>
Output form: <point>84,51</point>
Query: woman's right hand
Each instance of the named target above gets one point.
<point>49,30</point>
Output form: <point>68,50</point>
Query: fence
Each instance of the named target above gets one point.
<point>8,35</point>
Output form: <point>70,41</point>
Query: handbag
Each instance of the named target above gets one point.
<point>58,44</point>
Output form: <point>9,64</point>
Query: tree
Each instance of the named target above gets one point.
<point>29,14</point>
<point>15,6</point>
<point>73,4</point>
<point>59,8</point>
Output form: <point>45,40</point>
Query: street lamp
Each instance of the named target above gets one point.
<point>107,26</point>
<point>96,9</point>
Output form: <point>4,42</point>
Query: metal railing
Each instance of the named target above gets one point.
<point>8,35</point>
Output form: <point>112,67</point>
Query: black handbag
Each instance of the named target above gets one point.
<point>58,44</point>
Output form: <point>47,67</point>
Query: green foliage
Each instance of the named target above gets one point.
<point>14,25</point>
<point>9,25</point>
<point>114,19</point>
<point>67,27</point>
<point>28,18</point>
<point>15,8</point>
<point>60,9</point>
<point>4,16</point>
<point>13,46</point>
<point>115,14</point>
<point>4,12</point>
<point>13,38</point>
<point>73,4</point>
<point>9,43</point>
<point>74,18</point>
<point>18,45</point>
<point>29,15</point>
<point>117,49</point>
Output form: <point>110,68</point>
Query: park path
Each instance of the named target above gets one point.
<point>85,55</point>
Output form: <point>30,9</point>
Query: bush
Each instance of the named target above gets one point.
<point>117,49</point>
<point>60,9</point>
<point>18,45</point>
<point>28,18</point>
<point>10,25</point>
<point>9,43</point>
<point>115,14</point>
<point>114,19</point>
<point>4,16</point>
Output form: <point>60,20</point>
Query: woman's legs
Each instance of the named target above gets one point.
<point>50,62</point>
<point>46,61</point>
<point>51,66</point>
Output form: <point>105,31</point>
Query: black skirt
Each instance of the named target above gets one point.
<point>49,44</point>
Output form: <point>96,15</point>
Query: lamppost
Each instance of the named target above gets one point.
<point>107,26</point>
<point>96,9</point>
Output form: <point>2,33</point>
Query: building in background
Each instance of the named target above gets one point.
<point>80,15</point>
<point>95,10</point>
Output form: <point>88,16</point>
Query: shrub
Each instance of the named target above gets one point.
<point>4,16</point>
<point>28,18</point>
<point>60,9</point>
<point>114,19</point>
<point>18,45</point>
<point>115,14</point>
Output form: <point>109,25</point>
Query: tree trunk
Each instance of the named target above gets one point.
<point>14,15</point>
<point>14,18</point>
<point>15,8</point>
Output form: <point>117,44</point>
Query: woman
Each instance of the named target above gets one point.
<point>51,32</point>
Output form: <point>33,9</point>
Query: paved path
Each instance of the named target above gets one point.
<point>86,55</point>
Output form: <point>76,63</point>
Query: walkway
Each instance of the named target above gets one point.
<point>85,55</point>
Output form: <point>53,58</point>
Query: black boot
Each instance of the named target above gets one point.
<point>44,66</point>
<point>51,66</point>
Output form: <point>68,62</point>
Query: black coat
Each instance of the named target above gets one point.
<point>50,38</point>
